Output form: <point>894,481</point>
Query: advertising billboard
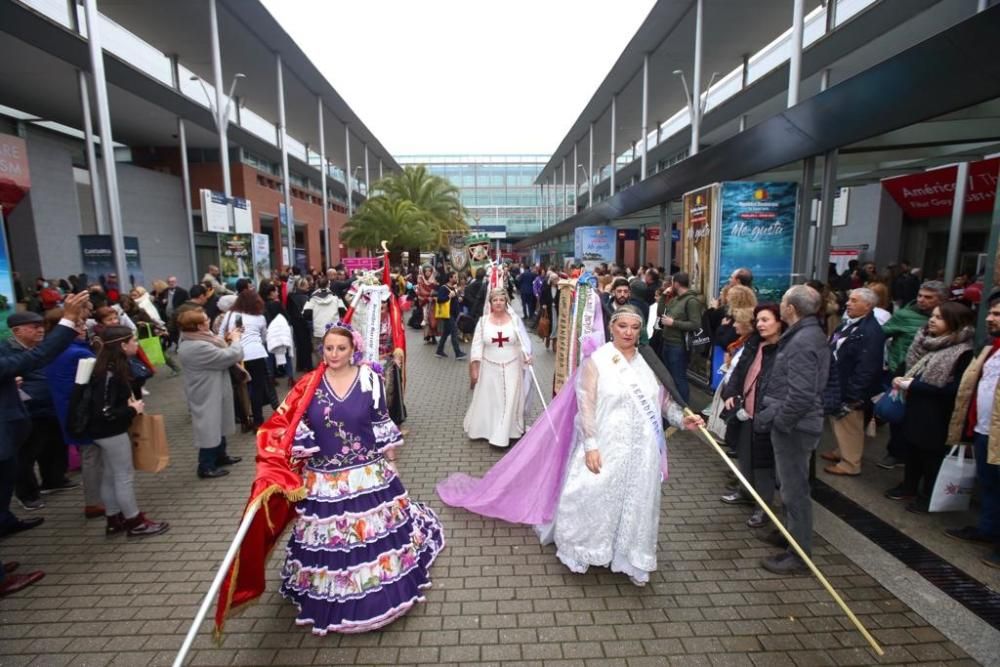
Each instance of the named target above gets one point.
<point>594,245</point>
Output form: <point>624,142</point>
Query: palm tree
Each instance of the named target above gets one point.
<point>398,222</point>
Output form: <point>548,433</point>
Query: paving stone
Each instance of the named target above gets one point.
<point>498,596</point>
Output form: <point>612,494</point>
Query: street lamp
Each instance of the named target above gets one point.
<point>587,174</point>
<point>229,98</point>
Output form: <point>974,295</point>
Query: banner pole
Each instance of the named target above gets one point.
<point>791,540</point>
<point>213,590</point>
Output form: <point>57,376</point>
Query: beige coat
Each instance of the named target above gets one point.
<point>966,394</point>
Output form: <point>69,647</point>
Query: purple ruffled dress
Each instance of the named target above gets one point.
<point>360,549</point>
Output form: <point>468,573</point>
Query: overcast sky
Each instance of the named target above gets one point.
<point>464,76</point>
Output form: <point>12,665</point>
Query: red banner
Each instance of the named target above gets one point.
<point>652,233</point>
<point>931,194</point>
<point>15,177</point>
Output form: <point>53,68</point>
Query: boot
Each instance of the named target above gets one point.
<point>140,526</point>
<point>116,525</point>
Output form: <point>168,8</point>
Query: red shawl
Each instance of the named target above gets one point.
<point>276,488</point>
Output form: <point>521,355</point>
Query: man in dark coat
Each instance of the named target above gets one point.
<point>14,428</point>
<point>791,409</point>
<point>525,287</point>
<point>857,348</point>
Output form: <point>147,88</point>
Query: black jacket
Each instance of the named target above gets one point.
<point>110,413</point>
<point>856,367</point>
<point>929,408</point>
<point>792,400</point>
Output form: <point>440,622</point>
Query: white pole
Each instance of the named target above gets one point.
<point>795,60</point>
<point>590,170</point>
<point>576,181</point>
<point>107,143</point>
<point>350,174</point>
<point>213,590</point>
<point>186,187</point>
<point>88,136</point>
<point>645,118</point>
<point>614,156</point>
<point>955,231</point>
<point>322,180</point>
<point>696,84</point>
<point>221,122</point>
<point>285,174</point>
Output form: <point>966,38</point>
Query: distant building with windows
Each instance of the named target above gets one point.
<point>497,190</point>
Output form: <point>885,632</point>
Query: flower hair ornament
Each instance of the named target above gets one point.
<point>356,340</point>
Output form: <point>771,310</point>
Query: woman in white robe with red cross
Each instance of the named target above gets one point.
<point>500,350</point>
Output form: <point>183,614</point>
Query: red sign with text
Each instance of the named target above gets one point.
<point>15,178</point>
<point>931,194</point>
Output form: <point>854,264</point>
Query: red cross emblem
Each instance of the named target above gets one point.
<point>500,339</point>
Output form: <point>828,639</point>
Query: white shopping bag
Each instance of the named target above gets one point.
<point>953,487</point>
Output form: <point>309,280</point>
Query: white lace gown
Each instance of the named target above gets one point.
<point>611,519</point>
<point>496,412</point>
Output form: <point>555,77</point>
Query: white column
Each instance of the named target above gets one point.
<point>576,181</point>
<point>645,116</point>
<point>107,143</point>
<point>186,187</point>
<point>795,59</point>
<point>367,178</point>
<point>744,80</point>
<point>285,175</point>
<point>380,169</point>
<point>347,170</point>
<point>221,122</point>
<point>96,191</point>
<point>696,84</point>
<point>824,229</point>
<point>590,168</point>
<point>614,140</point>
<point>322,180</point>
<point>562,204</point>
<point>955,230</point>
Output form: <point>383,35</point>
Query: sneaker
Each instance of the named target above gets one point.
<point>785,563</point>
<point>890,462</point>
<point>32,505</point>
<point>65,485</point>
<point>459,357</point>
<point>737,498</point>
<point>140,526</point>
<point>440,355</point>
<point>757,519</point>
<point>93,511</point>
<point>900,493</point>
<point>993,560</point>
<point>213,473</point>
<point>968,534</point>
<point>115,525</point>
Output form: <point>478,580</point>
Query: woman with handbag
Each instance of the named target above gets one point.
<point>935,362</point>
<point>113,405</point>
<point>207,359</point>
<point>747,383</point>
<point>247,314</point>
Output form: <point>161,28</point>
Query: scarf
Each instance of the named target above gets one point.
<point>933,357</point>
<point>204,336</point>
<point>750,382</point>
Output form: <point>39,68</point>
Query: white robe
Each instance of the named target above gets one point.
<point>497,409</point>
<point>612,518</point>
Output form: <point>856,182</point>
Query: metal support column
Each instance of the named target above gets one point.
<point>286,187</point>
<point>831,23</point>
<point>221,122</point>
<point>367,175</point>
<point>666,241</point>
<point>744,80</point>
<point>541,208</point>
<point>380,169</point>
<point>322,181</point>
<point>186,185</point>
<point>645,117</point>
<point>699,28</point>
<point>824,226</point>
<point>801,265</point>
<point>590,169</point>
<point>614,139</point>
<point>955,231</point>
<point>795,59</point>
<point>990,278</point>
<point>96,192</point>
<point>562,204</point>
<point>107,143</point>
<point>641,253</point>
<point>576,181</point>
<point>347,170</point>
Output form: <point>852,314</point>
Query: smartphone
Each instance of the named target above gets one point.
<point>239,321</point>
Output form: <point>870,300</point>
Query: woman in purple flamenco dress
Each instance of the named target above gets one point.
<point>360,549</point>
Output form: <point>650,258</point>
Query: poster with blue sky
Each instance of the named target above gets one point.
<point>593,245</point>
<point>7,300</point>
<point>757,231</point>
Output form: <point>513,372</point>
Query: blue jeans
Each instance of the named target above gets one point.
<point>989,487</point>
<point>449,331</point>
<point>675,358</point>
<point>208,457</point>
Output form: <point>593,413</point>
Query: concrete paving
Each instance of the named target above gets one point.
<point>498,596</point>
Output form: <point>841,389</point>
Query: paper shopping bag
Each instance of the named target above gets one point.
<point>953,487</point>
<point>149,443</point>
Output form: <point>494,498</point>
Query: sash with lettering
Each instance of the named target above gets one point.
<point>650,410</point>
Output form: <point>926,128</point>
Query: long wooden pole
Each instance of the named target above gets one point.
<point>788,536</point>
